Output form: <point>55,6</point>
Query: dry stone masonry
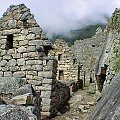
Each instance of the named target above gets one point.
<point>108,74</point>
<point>23,54</point>
<point>87,51</point>
<point>109,62</point>
<point>67,65</point>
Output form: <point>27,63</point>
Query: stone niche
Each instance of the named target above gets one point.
<point>23,54</point>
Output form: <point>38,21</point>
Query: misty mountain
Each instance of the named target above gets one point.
<point>79,34</point>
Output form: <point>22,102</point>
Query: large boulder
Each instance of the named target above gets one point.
<point>23,90</point>
<point>26,99</point>
<point>12,112</point>
<point>108,107</point>
<point>10,84</point>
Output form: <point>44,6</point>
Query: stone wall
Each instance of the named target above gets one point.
<point>23,54</point>
<point>87,51</point>
<point>110,56</point>
<point>66,61</point>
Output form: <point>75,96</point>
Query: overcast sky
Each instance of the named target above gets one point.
<point>63,15</point>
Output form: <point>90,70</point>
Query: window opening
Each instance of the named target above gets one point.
<point>59,57</point>
<point>61,75</point>
<point>9,42</point>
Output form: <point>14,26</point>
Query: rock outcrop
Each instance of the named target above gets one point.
<point>12,112</point>
<point>108,107</point>
<point>108,74</point>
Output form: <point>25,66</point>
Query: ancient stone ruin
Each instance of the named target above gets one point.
<point>24,57</point>
<point>87,51</point>
<point>108,74</point>
<point>67,64</point>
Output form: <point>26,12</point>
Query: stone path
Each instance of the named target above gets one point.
<point>79,106</point>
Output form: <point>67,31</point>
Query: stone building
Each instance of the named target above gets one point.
<point>87,51</point>
<point>67,65</point>
<point>23,54</point>
<point>109,61</point>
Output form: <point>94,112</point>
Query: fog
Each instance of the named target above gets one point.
<point>62,16</point>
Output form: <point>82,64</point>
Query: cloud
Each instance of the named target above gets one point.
<point>61,16</point>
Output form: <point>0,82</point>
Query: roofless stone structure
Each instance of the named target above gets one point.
<point>23,54</point>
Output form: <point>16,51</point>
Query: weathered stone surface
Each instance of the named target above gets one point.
<point>3,63</point>
<point>8,74</point>
<point>12,112</point>
<point>25,99</point>
<point>34,73</point>
<point>21,61</point>
<point>12,62</point>
<point>31,48</point>
<point>23,90</point>
<point>21,49</point>
<point>19,74</point>
<point>1,74</point>
<point>10,84</point>
<point>46,94</point>
<point>6,57</point>
<point>108,107</point>
<point>2,101</point>
<point>92,88</point>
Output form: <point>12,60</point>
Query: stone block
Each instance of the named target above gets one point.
<point>34,73</point>
<point>21,49</point>
<point>34,62</point>
<point>38,78</point>
<point>30,37</point>
<point>1,74</point>
<point>29,77</point>
<point>48,81</point>
<point>46,108</point>
<point>3,63</point>
<point>23,90</point>
<point>34,42</point>
<point>18,74</point>
<point>35,82</point>
<point>21,61</point>
<point>8,74</point>
<point>31,48</point>
<point>17,55</point>
<point>23,43</point>
<point>14,68</point>
<point>25,99</point>
<point>3,41</point>
<point>92,88</point>
<point>10,51</point>
<point>40,73</point>
<point>37,67</point>
<point>45,115</point>
<point>46,102</point>
<point>49,74</point>
<point>49,68</point>
<point>38,62</point>
<point>7,57</point>
<point>46,94</point>
<point>36,30</point>
<point>47,87</point>
<point>26,67</point>
<point>30,55</point>
<point>30,62</point>
<point>12,62</point>
<point>3,52</point>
